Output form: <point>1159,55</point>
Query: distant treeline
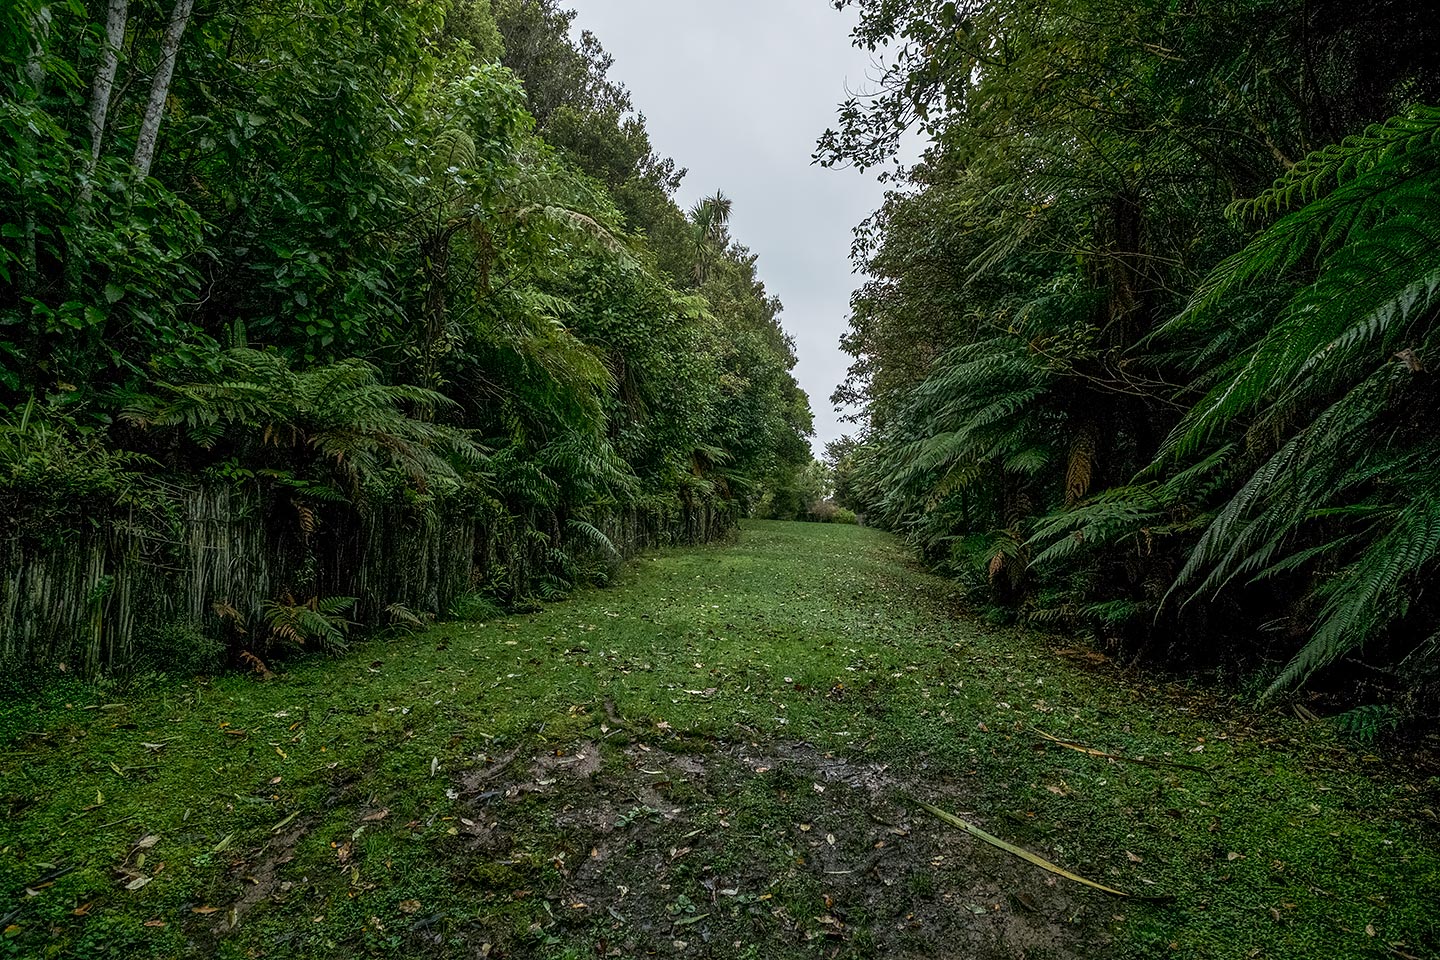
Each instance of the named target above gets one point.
<point>1149,340</point>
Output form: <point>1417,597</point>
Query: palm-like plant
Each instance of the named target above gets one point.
<point>1328,400</point>
<point>709,222</point>
<point>966,452</point>
<point>341,412</point>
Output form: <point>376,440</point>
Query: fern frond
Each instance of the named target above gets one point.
<point>1371,592</point>
<point>593,537</point>
<point>1323,170</point>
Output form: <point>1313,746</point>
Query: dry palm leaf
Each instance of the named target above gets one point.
<point>1027,856</point>
<point>1081,468</point>
<point>1092,752</point>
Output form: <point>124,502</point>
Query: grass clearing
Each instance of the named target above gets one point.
<point>713,758</point>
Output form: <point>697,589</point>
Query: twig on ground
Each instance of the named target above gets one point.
<point>1026,855</point>
<point>1092,752</point>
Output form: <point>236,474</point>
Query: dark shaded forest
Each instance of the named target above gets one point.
<point>1147,345</point>
<point>352,312</point>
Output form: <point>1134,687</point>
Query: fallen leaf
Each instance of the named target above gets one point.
<point>137,883</point>
<point>380,814</point>
<point>409,906</point>
<point>1026,855</point>
<point>1132,858</point>
<point>205,910</point>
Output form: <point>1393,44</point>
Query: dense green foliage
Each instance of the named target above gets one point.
<point>363,252</point>
<point>1107,390</point>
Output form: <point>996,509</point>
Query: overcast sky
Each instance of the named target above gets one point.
<point>738,91</point>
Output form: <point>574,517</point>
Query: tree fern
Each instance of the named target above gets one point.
<point>340,412</point>
<point>1334,386</point>
<point>593,538</point>
<point>1353,158</point>
<point>319,621</point>
<point>1362,261</point>
<point>589,465</point>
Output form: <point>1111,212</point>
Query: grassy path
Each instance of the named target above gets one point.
<point>711,759</point>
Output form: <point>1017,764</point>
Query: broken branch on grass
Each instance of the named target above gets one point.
<point>497,767</point>
<point>1029,857</point>
<point>1092,752</point>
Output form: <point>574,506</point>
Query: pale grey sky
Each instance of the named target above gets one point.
<point>738,91</point>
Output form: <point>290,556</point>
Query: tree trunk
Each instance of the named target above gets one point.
<point>160,88</point>
<point>100,93</point>
<point>34,77</point>
<point>435,255</point>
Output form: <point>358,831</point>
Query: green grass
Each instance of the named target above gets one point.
<point>691,687</point>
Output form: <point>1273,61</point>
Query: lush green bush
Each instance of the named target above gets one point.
<point>828,511</point>
<point>181,648</point>
<point>461,285</point>
<point>1111,397</point>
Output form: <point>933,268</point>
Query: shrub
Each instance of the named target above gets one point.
<point>828,511</point>
<point>180,647</point>
<point>475,607</point>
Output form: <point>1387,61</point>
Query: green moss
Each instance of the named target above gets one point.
<point>721,658</point>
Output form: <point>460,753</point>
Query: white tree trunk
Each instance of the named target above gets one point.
<point>160,88</point>
<point>34,76</point>
<point>100,92</point>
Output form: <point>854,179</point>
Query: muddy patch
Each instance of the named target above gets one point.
<point>759,851</point>
<point>259,877</point>
<point>578,762</point>
<point>873,778</point>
